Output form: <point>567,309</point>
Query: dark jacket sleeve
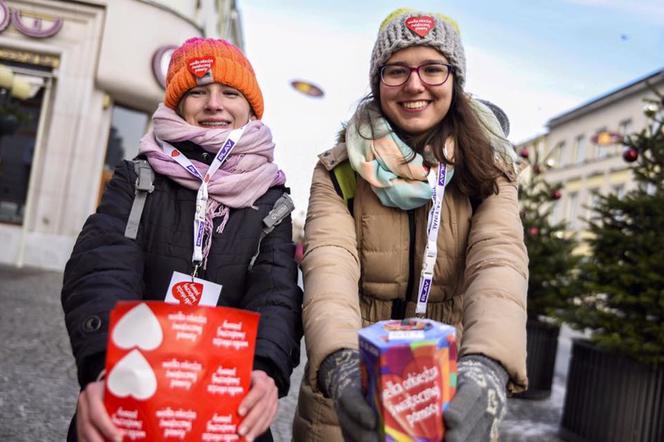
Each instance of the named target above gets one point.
<point>104,267</point>
<point>273,292</point>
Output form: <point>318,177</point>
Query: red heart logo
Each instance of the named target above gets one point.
<point>188,292</point>
<point>412,401</point>
<point>421,25</point>
<point>175,153</point>
<point>200,66</point>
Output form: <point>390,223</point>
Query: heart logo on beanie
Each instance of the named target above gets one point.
<point>200,66</point>
<point>421,25</point>
<point>139,327</point>
<point>133,376</point>
<point>188,292</point>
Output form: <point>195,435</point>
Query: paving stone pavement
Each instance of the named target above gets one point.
<point>38,377</point>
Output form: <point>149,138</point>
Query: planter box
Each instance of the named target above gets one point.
<point>611,398</point>
<point>542,347</point>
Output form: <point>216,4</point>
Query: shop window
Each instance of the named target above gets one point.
<point>127,128</point>
<point>21,98</point>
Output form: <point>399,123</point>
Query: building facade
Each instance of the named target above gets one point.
<point>78,83</point>
<point>572,154</point>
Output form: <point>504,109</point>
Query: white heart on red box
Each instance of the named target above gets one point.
<point>138,328</point>
<point>133,376</point>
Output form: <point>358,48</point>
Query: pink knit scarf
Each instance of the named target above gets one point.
<point>247,173</point>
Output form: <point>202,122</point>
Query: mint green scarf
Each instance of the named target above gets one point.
<point>378,155</point>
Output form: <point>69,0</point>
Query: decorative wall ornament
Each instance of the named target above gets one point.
<point>160,60</point>
<point>32,25</point>
<point>5,16</point>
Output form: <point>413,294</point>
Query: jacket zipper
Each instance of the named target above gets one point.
<point>399,305</point>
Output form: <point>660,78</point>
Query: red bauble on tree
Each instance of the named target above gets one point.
<point>523,153</point>
<point>630,154</point>
<point>555,195</point>
<point>533,231</point>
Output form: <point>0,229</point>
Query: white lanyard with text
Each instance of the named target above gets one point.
<point>431,249</point>
<point>202,195</point>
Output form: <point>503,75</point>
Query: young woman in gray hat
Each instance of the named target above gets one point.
<point>366,257</point>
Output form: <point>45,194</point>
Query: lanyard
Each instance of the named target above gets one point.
<point>202,195</point>
<point>431,249</point>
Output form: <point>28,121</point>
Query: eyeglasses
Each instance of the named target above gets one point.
<point>431,74</point>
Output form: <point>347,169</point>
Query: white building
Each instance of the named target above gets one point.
<point>89,74</point>
<point>583,166</point>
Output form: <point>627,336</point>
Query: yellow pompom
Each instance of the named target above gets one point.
<point>401,11</point>
<point>393,14</point>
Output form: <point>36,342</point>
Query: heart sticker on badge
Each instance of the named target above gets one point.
<point>188,292</point>
<point>421,25</point>
<point>134,377</point>
<point>175,153</point>
<point>138,328</point>
<point>200,66</point>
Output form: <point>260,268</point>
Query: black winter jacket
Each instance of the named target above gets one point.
<point>106,267</point>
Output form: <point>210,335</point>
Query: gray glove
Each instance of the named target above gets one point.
<point>339,379</point>
<point>479,403</point>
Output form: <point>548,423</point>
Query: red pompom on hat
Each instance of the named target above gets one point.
<point>201,61</point>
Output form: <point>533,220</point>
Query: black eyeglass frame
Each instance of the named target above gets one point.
<point>450,70</point>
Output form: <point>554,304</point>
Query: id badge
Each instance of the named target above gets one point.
<point>183,290</point>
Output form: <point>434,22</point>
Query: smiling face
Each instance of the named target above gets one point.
<point>416,107</point>
<point>215,106</point>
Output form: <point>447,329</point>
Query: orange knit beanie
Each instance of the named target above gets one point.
<point>201,61</point>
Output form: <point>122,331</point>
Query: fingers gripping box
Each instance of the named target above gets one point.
<point>178,372</point>
<point>408,371</point>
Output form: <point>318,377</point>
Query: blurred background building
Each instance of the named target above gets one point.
<point>78,83</point>
<point>581,148</point>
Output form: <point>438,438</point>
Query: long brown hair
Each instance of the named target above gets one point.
<point>475,170</point>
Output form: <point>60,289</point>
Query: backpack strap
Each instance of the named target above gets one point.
<point>142,187</point>
<point>281,209</point>
<point>344,180</point>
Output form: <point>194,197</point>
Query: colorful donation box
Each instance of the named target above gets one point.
<point>408,371</point>
<point>178,372</point>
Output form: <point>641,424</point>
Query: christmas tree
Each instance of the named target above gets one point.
<point>550,246</point>
<point>621,283</point>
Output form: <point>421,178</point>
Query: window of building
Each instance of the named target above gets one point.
<point>127,128</point>
<point>619,190</point>
<point>594,198</point>
<point>19,123</point>
<point>580,149</point>
<point>557,214</point>
<point>572,209</point>
<point>625,126</point>
<point>558,153</point>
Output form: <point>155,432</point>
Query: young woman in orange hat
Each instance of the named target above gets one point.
<point>215,181</point>
<point>432,230</point>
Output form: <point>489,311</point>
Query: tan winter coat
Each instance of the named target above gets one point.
<point>355,266</point>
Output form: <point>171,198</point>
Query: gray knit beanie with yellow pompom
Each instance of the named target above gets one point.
<point>404,28</point>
